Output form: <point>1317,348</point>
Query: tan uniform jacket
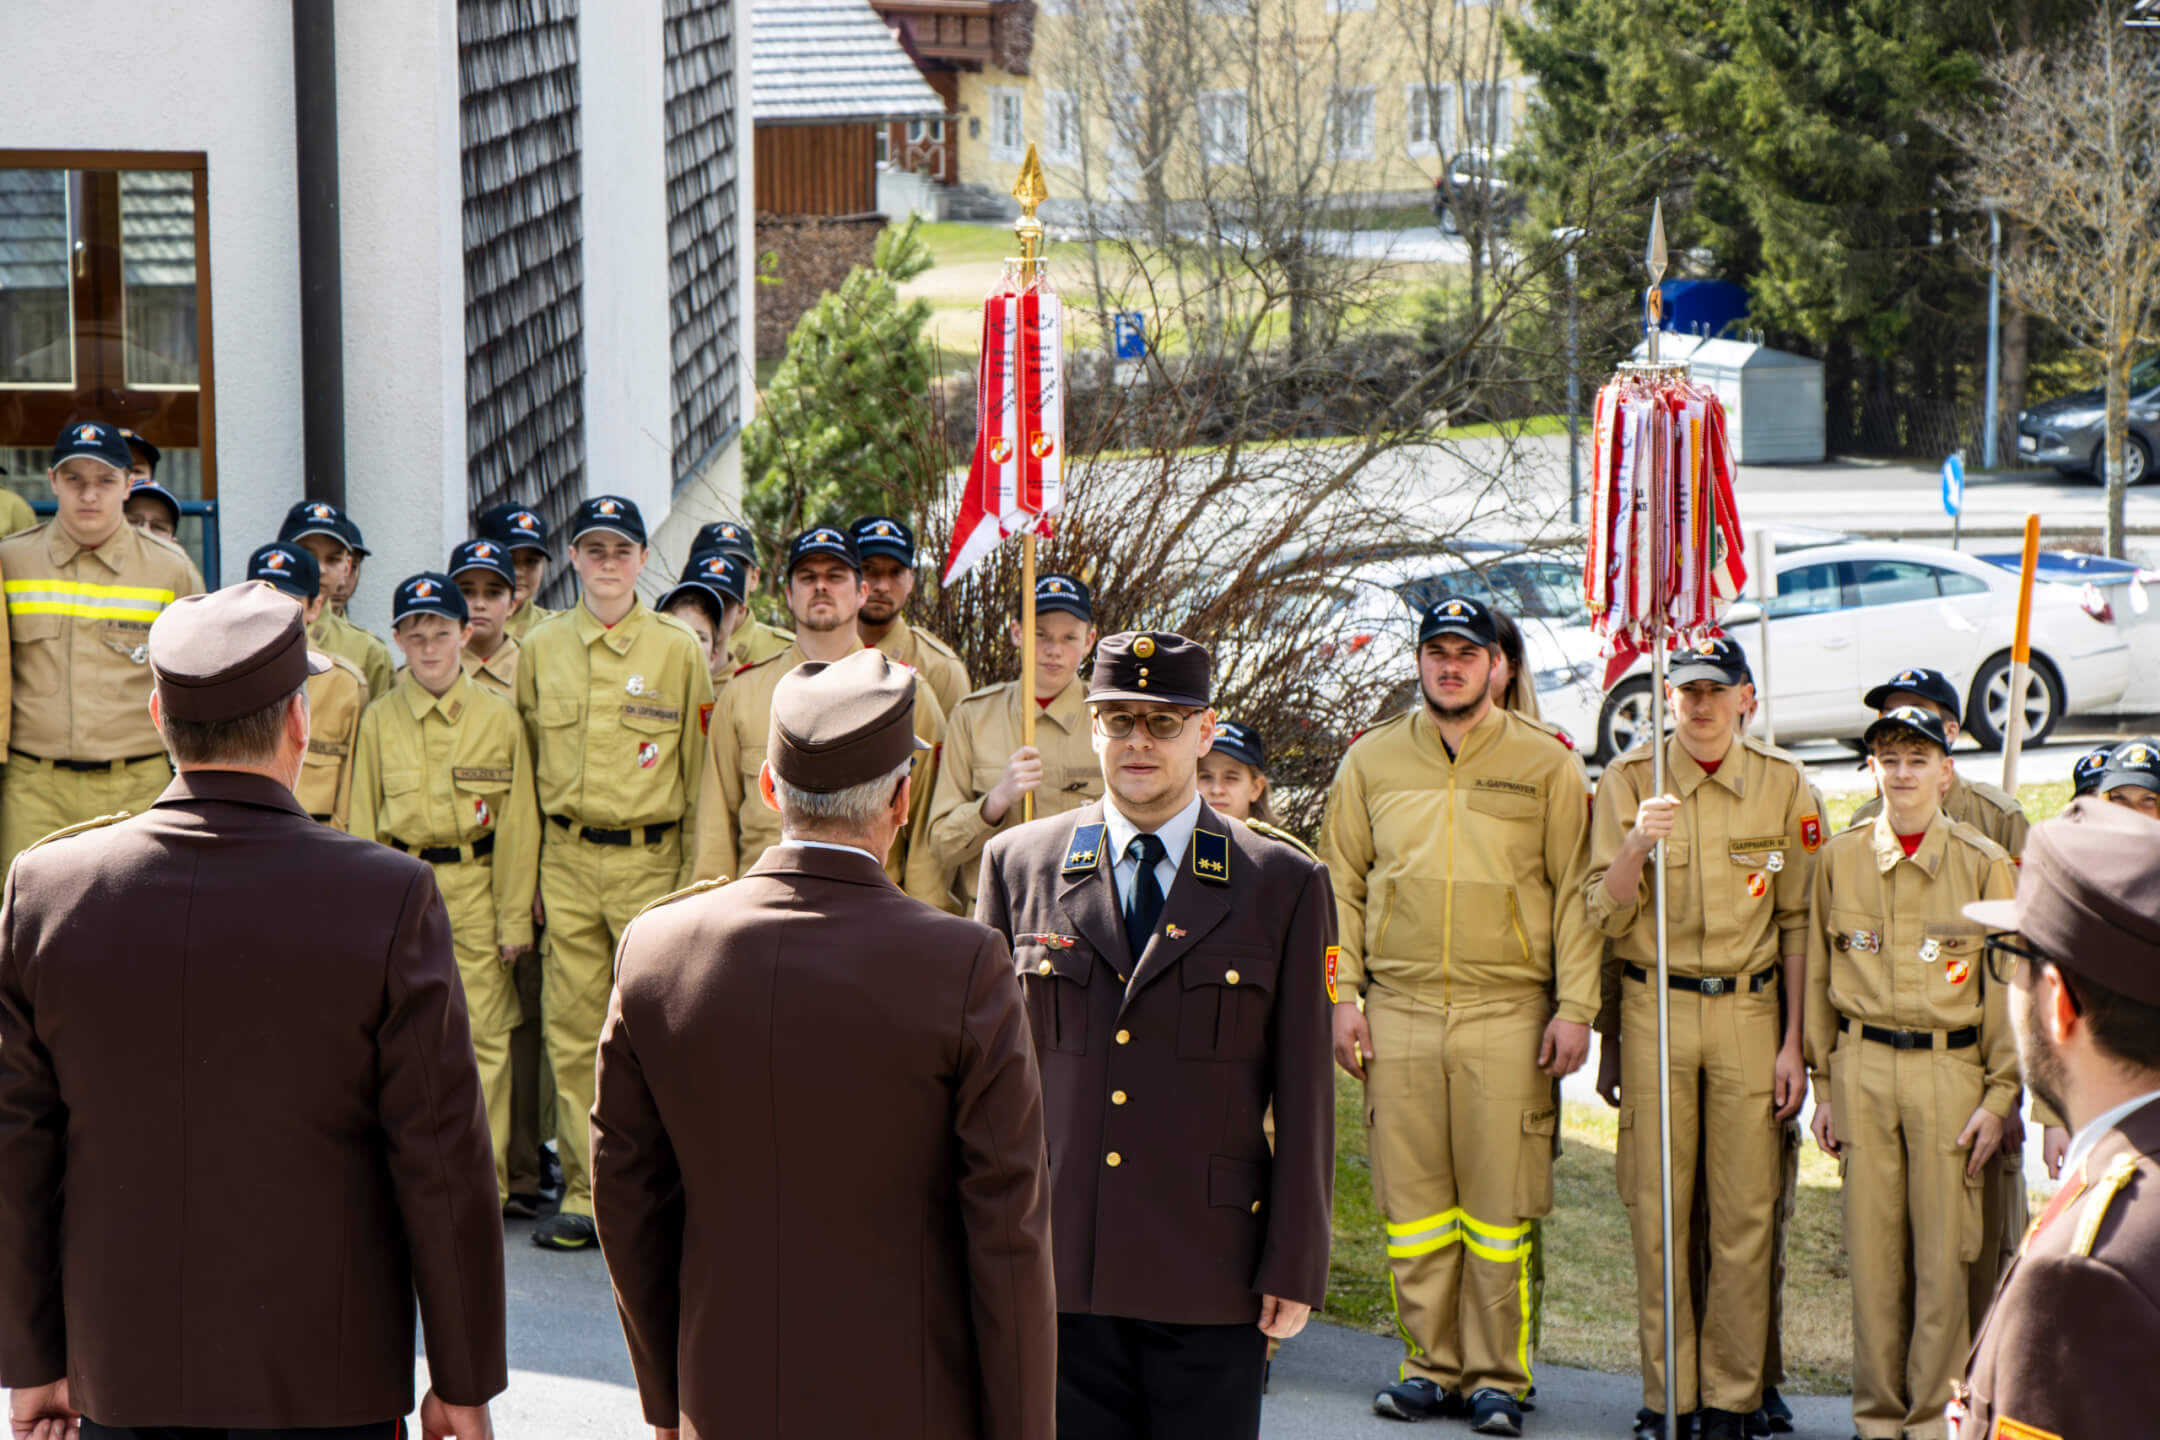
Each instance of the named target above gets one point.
<point>979,740</point>
<point>1458,879</point>
<point>755,642</point>
<point>1888,945</point>
<point>1987,808</point>
<point>1738,863</point>
<point>939,663</point>
<point>497,674</point>
<point>735,825</point>
<point>336,699</point>
<point>449,771</point>
<point>333,634</point>
<point>522,619</point>
<point>614,720</point>
<point>15,513</point>
<point>79,632</point>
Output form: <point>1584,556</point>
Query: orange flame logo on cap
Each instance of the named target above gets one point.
<point>88,434</point>
<point>525,520</point>
<point>716,567</point>
<point>422,589</point>
<point>607,507</point>
<point>1706,647</point>
<point>275,560</point>
<point>2138,755</point>
<point>483,551</point>
<point>320,511</point>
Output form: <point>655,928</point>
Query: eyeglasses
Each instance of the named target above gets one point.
<point>2002,958</point>
<point>1162,724</point>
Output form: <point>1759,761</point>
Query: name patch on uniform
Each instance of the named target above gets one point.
<point>1334,958</point>
<point>653,712</point>
<point>1512,787</point>
<point>1811,833</point>
<point>1086,845</point>
<point>328,747</point>
<point>479,776</point>
<point>1211,857</point>
<point>1761,842</point>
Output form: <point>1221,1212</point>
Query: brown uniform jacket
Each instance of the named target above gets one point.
<point>936,661</point>
<point>752,1207</point>
<point>2067,1350</point>
<point>262,1160</point>
<point>980,737</point>
<point>1156,1077</point>
<point>79,631</point>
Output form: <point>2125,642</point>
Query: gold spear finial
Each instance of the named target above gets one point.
<point>1656,259</point>
<point>1030,191</point>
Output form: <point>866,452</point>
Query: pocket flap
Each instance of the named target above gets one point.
<point>23,627</point>
<point>558,710</point>
<point>1062,957</point>
<point>1240,1184</point>
<point>481,780</point>
<point>1540,1122</point>
<point>1506,804</point>
<point>1218,966</point>
<point>651,717</point>
<point>400,782</point>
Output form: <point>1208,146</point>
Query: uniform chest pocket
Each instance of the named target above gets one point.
<point>127,637</point>
<point>481,790</point>
<point>1055,972</point>
<point>27,629</point>
<point>1953,963</point>
<point>561,720</point>
<point>1753,874</point>
<point>1227,1001</point>
<point>1506,804</point>
<point>651,717</point>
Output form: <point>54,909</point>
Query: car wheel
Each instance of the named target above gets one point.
<point>2137,460</point>
<point>1987,713</point>
<point>1625,721</point>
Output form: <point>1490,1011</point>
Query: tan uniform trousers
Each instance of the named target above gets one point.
<point>1781,1231</point>
<point>38,797</point>
<point>1461,1125</point>
<point>491,1002</point>
<point>1912,1226</point>
<point>592,892</point>
<point>532,1083</point>
<point>1724,1061</point>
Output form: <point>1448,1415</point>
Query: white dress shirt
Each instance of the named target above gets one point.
<point>827,845</point>
<point>1175,834</point>
<point>2082,1144</point>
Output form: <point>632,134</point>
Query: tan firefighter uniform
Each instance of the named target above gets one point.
<point>979,741</point>
<point>936,661</point>
<point>333,634</point>
<point>449,779</point>
<point>15,513</point>
<point>1906,1037</point>
<point>755,642</point>
<point>80,742</point>
<point>497,674</point>
<point>336,699</point>
<point>736,826</point>
<point>522,619</point>
<point>1738,864</point>
<point>1456,887</point>
<point>614,718</point>
<point>1987,808</point>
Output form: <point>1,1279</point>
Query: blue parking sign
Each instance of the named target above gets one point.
<point>1953,484</point>
<point>1128,329</point>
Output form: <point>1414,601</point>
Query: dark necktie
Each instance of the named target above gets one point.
<point>1144,907</point>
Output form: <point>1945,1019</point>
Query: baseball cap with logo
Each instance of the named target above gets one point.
<point>824,540</point>
<point>428,593</point>
<point>883,535</point>
<point>728,537</point>
<point>607,512</point>
<point>1717,659</point>
<point>141,447</point>
<point>286,567</point>
<point>1908,720</point>
<point>314,517</point>
<point>490,557</point>
<point>724,577</point>
<point>2134,762</point>
<point>1066,593</point>
<point>157,492</point>
<point>518,526</point>
<point>2085,775</point>
<point>1930,685</point>
<point>1458,615</point>
<point>1241,743</point>
<point>93,440</point>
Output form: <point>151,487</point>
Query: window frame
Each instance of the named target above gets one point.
<point>1002,96</point>
<point>1062,107</point>
<point>1366,95</point>
<point>1211,152</point>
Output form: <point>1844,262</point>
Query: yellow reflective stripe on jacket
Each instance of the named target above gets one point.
<point>82,600</point>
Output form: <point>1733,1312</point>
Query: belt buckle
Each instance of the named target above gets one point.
<point>1909,1040</point>
<point>1713,985</point>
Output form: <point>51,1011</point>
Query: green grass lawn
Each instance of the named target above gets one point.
<point>2040,801</point>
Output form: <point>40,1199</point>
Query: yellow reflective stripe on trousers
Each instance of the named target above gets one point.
<point>1413,1238</point>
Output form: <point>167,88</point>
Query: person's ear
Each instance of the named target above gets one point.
<point>296,719</point>
<point>157,712</point>
<point>1012,630</point>
<point>896,810</point>
<point>765,786</point>
<point>1206,721</point>
<point>2058,1011</point>
<point>464,635</point>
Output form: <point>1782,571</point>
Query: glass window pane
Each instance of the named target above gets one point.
<point>157,257</point>
<point>1957,582</point>
<point>1807,590</point>
<point>1893,582</point>
<point>36,333</point>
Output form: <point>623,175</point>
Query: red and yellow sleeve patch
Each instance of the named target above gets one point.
<point>2008,1429</point>
<point>1811,833</point>
<point>704,718</point>
<point>1334,958</point>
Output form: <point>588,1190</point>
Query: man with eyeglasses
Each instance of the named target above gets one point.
<point>2068,1348</point>
<point>1174,966</point>
<point>1914,1066</point>
<point>1456,835</point>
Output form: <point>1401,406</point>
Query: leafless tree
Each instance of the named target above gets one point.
<point>2068,146</point>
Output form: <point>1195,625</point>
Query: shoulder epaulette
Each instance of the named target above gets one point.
<point>98,824</point>
<point>1544,726</point>
<point>769,659</point>
<point>1974,836</point>
<point>2093,1213</point>
<point>1387,726</point>
<point>986,693</point>
<point>44,523</point>
<point>1276,832</point>
<point>1996,796</point>
<point>339,662</point>
<point>935,643</point>
<point>695,888</point>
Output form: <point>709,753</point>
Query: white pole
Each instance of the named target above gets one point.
<point>1764,573</point>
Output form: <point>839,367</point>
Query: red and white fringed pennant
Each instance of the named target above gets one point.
<point>1016,477</point>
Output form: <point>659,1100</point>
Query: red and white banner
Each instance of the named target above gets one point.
<point>1016,479</point>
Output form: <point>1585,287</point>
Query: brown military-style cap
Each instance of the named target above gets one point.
<point>230,653</point>
<point>2088,896</point>
<point>844,723</point>
<point>1151,665</point>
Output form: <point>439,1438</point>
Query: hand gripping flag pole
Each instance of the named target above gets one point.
<point>1015,481</point>
<point>1664,556</point>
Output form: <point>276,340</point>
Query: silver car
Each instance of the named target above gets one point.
<point>2070,433</point>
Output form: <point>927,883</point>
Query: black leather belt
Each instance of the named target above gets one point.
<point>598,836</point>
<point>1914,1039</point>
<point>88,766</point>
<point>448,854</point>
<point>1707,984</point>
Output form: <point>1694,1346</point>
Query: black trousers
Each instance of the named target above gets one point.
<point>380,1430</point>
<point>1121,1379</point>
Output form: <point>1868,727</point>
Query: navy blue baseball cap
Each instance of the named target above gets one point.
<point>428,593</point>
<point>1458,615</point>
<point>141,447</point>
<point>883,535</point>
<point>157,492</point>
<point>607,512</point>
<point>1718,659</point>
<point>1908,720</point>
<point>724,576</point>
<point>2134,762</point>
<point>286,567</point>
<point>518,526</point>
<point>729,537</point>
<point>1066,593</point>
<point>315,517</point>
<point>490,557</point>
<point>1930,685</point>
<point>1241,743</point>
<point>93,440</point>
<point>824,540</point>
<point>2086,774</point>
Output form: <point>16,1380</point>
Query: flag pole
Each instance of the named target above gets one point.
<point>1030,191</point>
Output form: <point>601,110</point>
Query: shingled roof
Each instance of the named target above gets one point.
<point>829,61</point>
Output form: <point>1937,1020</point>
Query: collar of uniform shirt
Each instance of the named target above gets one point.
<point>2082,1145</point>
<point>1175,833</point>
<point>828,845</point>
